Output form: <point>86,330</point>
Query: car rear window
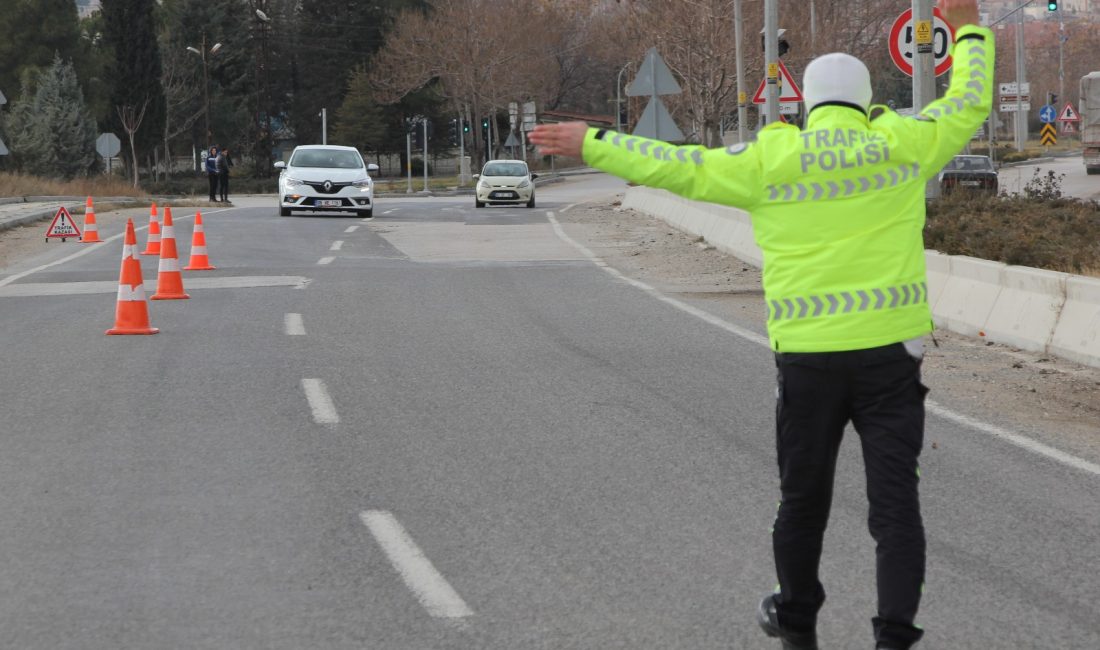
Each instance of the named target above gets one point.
<point>325,158</point>
<point>505,169</point>
<point>970,164</point>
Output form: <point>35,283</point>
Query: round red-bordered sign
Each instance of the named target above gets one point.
<point>902,41</point>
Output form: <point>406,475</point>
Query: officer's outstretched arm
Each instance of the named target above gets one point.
<point>728,176</point>
<point>947,124</point>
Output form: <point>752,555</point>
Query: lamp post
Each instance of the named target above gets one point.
<point>619,97</point>
<point>202,52</point>
<point>264,143</point>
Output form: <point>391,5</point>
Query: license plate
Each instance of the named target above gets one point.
<point>503,195</point>
<point>971,183</point>
<point>328,203</point>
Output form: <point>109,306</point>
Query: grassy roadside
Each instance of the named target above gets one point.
<point>14,184</point>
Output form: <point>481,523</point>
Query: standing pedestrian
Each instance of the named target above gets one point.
<point>210,165</point>
<point>838,211</point>
<point>223,163</point>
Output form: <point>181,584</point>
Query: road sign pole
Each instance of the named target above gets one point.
<point>742,98</point>
<point>924,69</point>
<point>771,60</point>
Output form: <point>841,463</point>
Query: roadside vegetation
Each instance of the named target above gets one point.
<point>1036,227</point>
<point>17,184</point>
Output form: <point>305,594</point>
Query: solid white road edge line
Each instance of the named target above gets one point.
<point>294,325</point>
<point>351,229</point>
<point>84,251</point>
<point>324,411</point>
<point>336,245</point>
<point>931,406</point>
<point>430,587</point>
<point>325,260</point>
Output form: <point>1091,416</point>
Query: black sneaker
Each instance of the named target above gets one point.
<point>769,622</point>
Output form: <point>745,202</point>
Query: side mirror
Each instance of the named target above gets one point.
<point>280,165</point>
<point>372,168</point>
<point>534,176</point>
<point>476,176</point>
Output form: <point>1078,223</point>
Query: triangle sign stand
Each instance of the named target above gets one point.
<point>655,79</point>
<point>788,89</point>
<point>63,226</point>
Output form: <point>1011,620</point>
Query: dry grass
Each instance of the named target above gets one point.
<point>18,184</point>
<point>1057,234</point>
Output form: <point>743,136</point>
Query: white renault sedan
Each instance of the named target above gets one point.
<point>505,181</point>
<point>326,178</point>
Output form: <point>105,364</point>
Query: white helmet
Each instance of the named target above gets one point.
<point>837,77</point>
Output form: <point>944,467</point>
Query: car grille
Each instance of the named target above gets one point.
<point>333,188</point>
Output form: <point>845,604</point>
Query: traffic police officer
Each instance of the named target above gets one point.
<point>838,212</point>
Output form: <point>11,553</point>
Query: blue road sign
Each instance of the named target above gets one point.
<point>1047,114</point>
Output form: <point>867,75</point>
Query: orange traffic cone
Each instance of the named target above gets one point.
<point>169,278</point>
<point>91,233</point>
<point>199,261</point>
<point>152,247</point>
<point>132,312</point>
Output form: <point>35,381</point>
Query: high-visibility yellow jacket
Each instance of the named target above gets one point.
<point>837,207</point>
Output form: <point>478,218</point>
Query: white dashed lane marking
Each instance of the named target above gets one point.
<point>430,587</point>
<point>351,229</point>
<point>325,260</point>
<point>336,245</point>
<point>324,411</point>
<point>294,325</point>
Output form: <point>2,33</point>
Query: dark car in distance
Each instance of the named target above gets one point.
<point>969,173</point>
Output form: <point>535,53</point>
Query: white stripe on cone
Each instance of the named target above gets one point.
<point>168,264</point>
<point>126,293</point>
<point>198,250</point>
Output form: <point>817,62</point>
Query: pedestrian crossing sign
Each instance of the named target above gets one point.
<point>63,226</point>
<point>1048,136</point>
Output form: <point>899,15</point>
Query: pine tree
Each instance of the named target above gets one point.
<point>359,120</point>
<point>135,70</point>
<point>52,131</point>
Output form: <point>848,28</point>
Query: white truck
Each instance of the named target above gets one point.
<point>1090,121</point>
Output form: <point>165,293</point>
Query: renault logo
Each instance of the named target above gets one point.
<point>328,186</point>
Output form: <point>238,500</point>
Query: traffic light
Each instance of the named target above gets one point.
<point>452,131</point>
<point>465,126</point>
<point>1052,5</point>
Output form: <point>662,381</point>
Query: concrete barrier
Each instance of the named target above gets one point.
<point>1077,335</point>
<point>938,267</point>
<point>1032,309</point>
<point>1027,308</point>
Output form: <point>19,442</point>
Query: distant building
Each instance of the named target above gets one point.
<point>86,8</point>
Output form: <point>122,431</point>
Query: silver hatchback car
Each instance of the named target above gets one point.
<point>505,181</point>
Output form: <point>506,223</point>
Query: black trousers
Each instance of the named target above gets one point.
<point>223,184</point>
<point>879,391</point>
<point>213,185</point>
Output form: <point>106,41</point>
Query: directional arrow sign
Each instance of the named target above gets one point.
<point>654,78</point>
<point>1046,114</point>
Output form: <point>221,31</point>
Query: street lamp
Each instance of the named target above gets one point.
<point>205,81</point>
<point>619,97</point>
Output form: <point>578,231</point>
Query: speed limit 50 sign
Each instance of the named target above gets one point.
<point>905,37</point>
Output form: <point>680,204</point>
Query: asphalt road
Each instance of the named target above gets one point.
<point>449,428</point>
<point>1070,171</point>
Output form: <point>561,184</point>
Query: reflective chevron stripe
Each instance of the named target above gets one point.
<point>850,187</point>
<point>656,150</point>
<point>847,302</point>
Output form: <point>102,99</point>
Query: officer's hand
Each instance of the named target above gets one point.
<point>960,12</point>
<point>565,139</point>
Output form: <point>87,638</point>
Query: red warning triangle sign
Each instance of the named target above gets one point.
<point>1069,114</point>
<point>788,89</point>
<point>63,225</point>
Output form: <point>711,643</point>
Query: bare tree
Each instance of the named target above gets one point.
<point>131,117</point>
<point>180,91</point>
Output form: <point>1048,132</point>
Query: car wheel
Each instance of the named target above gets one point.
<point>531,201</point>
<point>284,212</point>
<point>366,214</point>
<point>1092,170</point>
<point>480,204</point>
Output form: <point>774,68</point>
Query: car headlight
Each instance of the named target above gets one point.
<point>482,185</point>
<point>291,182</point>
<point>362,183</point>
<point>524,183</point>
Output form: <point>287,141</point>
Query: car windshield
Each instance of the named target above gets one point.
<point>969,164</point>
<point>505,169</point>
<point>326,158</point>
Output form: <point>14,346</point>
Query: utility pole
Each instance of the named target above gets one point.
<point>409,161</point>
<point>324,125</point>
<point>1021,79</point>
<point>425,155</point>
<point>924,72</point>
<point>742,97</point>
<point>771,60</point>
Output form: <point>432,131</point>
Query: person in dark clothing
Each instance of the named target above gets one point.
<point>222,163</point>
<point>211,168</point>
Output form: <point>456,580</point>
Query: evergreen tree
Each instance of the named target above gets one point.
<point>52,132</point>
<point>359,121</point>
<point>31,31</point>
<point>129,29</point>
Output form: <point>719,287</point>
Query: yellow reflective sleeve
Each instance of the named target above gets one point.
<point>727,176</point>
<point>947,124</point>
